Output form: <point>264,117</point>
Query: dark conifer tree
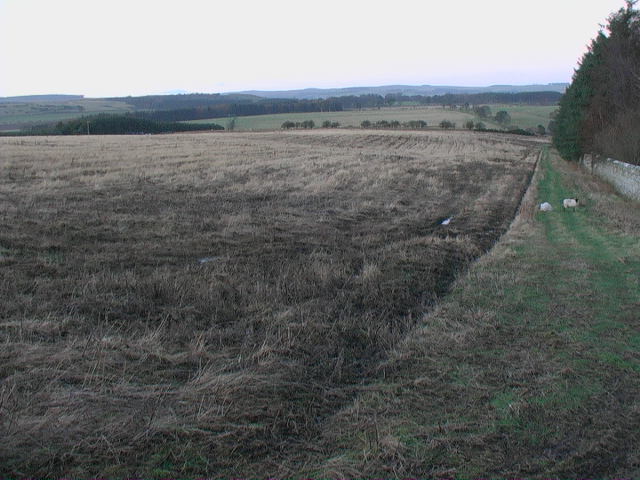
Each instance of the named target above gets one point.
<point>600,111</point>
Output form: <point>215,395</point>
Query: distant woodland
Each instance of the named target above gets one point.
<point>600,111</point>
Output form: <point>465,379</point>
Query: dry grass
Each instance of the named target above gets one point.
<point>207,303</point>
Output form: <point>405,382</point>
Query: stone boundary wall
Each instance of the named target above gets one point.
<point>623,176</point>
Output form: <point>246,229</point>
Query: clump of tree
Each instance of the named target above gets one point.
<point>446,124</point>
<point>380,124</point>
<point>307,124</point>
<point>600,111</point>
<point>415,124</point>
<point>330,124</point>
<point>105,124</point>
<point>503,118</point>
<point>483,111</point>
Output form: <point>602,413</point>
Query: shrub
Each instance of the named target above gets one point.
<point>415,124</point>
<point>503,117</point>
<point>483,111</point>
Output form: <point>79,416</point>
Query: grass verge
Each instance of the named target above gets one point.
<point>530,367</point>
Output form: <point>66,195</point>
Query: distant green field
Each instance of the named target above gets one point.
<point>16,115</point>
<point>527,116</point>
<point>352,118</point>
<point>524,116</point>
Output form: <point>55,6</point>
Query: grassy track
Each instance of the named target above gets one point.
<point>531,367</point>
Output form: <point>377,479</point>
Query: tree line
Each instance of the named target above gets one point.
<point>523,98</point>
<point>288,125</point>
<point>105,124</point>
<point>600,111</point>
<point>412,125</point>
<point>199,100</point>
<point>241,110</point>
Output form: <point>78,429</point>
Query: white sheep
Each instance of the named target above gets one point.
<point>570,203</point>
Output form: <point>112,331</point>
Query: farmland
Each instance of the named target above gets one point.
<point>17,115</point>
<point>350,118</point>
<point>192,303</point>
<point>260,114</point>
<point>523,116</point>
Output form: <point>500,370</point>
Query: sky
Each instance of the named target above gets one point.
<point>101,48</point>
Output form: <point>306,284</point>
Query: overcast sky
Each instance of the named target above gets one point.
<point>136,47</point>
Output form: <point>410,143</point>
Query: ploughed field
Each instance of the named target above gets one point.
<point>205,303</point>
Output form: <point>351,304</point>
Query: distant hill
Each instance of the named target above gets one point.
<point>40,98</point>
<point>429,90</point>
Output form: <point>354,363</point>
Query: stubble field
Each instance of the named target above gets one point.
<point>206,303</point>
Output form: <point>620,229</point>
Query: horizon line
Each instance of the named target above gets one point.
<point>178,91</point>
